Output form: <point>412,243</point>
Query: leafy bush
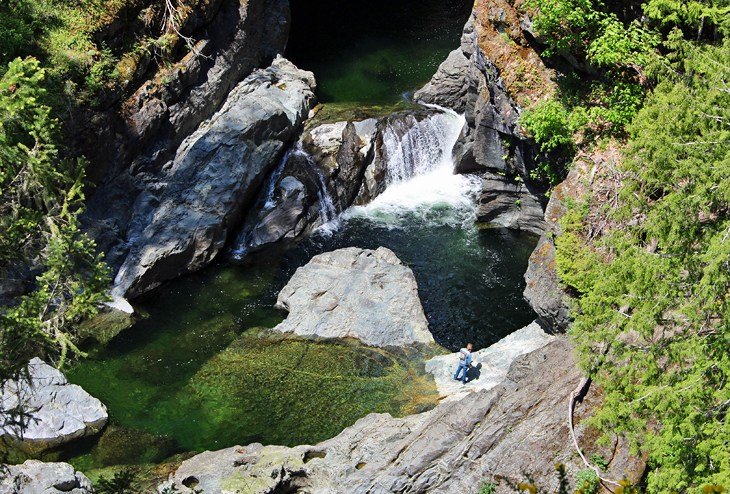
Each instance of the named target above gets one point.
<point>549,124</point>
<point>586,482</point>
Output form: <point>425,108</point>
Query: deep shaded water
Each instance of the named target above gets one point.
<point>197,375</point>
<point>374,51</point>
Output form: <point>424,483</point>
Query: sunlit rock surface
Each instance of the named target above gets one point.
<point>215,174</point>
<point>37,477</point>
<point>355,293</point>
<point>516,430</point>
<point>57,411</point>
<point>489,365</point>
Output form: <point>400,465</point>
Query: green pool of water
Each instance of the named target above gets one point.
<point>373,52</point>
<point>198,373</point>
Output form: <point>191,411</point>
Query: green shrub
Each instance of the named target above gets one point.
<point>549,124</point>
<point>586,482</point>
<point>488,488</point>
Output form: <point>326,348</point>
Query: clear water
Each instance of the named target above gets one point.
<point>186,374</point>
<point>374,51</point>
<point>197,373</point>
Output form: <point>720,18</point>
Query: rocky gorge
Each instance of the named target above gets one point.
<point>232,158</point>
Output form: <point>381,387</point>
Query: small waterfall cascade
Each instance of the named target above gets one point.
<point>327,211</point>
<point>269,202</point>
<point>415,147</point>
<point>419,174</point>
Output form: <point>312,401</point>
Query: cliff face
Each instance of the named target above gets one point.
<point>491,77</point>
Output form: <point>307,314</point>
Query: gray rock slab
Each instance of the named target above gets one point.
<point>37,477</point>
<point>490,365</point>
<point>355,293</point>
<point>58,412</point>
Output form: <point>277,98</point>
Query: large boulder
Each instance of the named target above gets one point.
<point>489,365</point>
<point>515,431</point>
<point>355,293</point>
<point>54,411</point>
<point>37,477</point>
<point>216,173</point>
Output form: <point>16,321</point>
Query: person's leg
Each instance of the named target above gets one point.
<point>458,371</point>
<point>463,377</point>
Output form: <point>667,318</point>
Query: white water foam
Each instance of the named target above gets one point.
<point>421,183</point>
<point>118,302</point>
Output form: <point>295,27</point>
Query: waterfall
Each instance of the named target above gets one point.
<point>420,181</point>
<point>269,202</point>
<point>327,211</point>
<point>423,146</point>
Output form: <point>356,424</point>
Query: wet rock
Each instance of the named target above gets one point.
<point>55,411</point>
<point>285,219</point>
<point>215,175</point>
<point>493,142</point>
<point>489,365</point>
<point>510,203</point>
<point>516,430</point>
<point>355,293</point>
<point>37,477</point>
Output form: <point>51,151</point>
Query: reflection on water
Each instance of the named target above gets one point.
<point>373,51</point>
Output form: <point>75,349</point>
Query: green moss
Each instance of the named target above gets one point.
<point>338,112</point>
<point>258,381</point>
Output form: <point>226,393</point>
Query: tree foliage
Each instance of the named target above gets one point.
<point>41,196</point>
<point>651,318</point>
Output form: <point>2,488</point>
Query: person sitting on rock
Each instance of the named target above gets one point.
<point>464,363</point>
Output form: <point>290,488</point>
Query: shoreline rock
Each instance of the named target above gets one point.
<point>57,411</point>
<point>185,222</point>
<point>489,365</point>
<point>355,293</point>
<point>517,429</point>
<point>35,476</point>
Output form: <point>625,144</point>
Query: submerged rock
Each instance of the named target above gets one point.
<point>55,411</point>
<point>215,174</point>
<point>489,365</point>
<point>355,293</point>
<point>37,477</point>
<point>518,429</point>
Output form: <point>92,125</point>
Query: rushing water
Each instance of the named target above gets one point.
<point>198,374</point>
<point>374,51</point>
